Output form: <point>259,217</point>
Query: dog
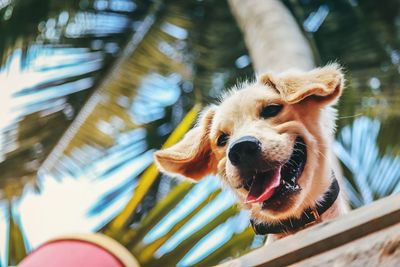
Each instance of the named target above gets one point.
<point>270,141</point>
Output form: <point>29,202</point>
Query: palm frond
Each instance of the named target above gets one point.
<point>17,249</point>
<point>135,234</point>
<point>370,175</point>
<point>172,257</point>
<point>145,250</point>
<point>52,55</point>
<point>149,176</point>
<point>237,245</point>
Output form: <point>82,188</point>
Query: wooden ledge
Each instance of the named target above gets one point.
<point>326,236</point>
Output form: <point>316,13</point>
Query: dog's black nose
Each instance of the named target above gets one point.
<point>244,151</point>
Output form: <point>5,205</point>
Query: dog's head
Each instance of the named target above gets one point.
<point>268,142</point>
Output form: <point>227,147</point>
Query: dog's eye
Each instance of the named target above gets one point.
<point>270,111</point>
<point>222,139</point>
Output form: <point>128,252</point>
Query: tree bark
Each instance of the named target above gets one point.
<point>273,38</point>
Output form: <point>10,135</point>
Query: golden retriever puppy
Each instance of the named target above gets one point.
<point>270,142</point>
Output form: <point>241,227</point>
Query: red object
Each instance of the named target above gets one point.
<point>81,250</point>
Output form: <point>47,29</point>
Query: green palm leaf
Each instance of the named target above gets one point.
<point>148,177</point>
<point>158,212</point>
<point>52,54</point>
<point>370,176</point>
<point>16,241</point>
<point>236,246</point>
<point>145,252</point>
<point>173,257</point>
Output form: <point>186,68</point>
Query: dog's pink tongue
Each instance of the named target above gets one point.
<point>264,186</point>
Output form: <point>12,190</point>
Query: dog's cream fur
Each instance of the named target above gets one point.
<point>307,99</point>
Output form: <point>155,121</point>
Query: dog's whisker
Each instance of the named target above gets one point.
<point>350,116</point>
<point>293,163</point>
<point>299,150</point>
<point>322,154</point>
<point>305,213</point>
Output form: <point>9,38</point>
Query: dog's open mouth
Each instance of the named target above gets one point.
<point>267,186</point>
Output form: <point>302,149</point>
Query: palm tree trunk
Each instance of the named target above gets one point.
<point>272,36</point>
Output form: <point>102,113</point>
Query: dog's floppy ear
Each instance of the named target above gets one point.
<point>324,84</point>
<point>192,156</point>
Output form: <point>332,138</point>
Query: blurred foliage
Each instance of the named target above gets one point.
<point>16,240</point>
<point>372,176</point>
<point>229,248</point>
<point>94,86</point>
<point>119,223</point>
<point>52,61</point>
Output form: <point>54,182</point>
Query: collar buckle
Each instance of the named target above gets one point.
<point>316,219</point>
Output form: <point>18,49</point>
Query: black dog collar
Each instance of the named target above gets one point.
<point>309,217</point>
